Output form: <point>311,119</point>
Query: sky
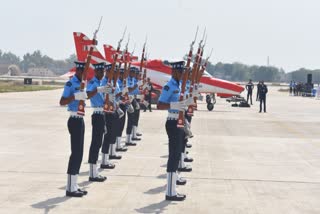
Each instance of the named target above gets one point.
<point>246,31</point>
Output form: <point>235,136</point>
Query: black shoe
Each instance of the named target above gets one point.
<point>98,179</point>
<point>139,134</point>
<point>144,111</point>
<point>178,197</point>
<point>74,194</point>
<point>181,181</point>
<point>188,145</point>
<point>185,169</point>
<point>107,166</point>
<point>117,157</point>
<point>182,195</point>
<point>259,111</point>
<point>150,111</point>
<point>122,149</point>
<point>188,159</point>
<point>136,138</point>
<point>131,144</point>
<point>83,191</point>
<point>265,112</point>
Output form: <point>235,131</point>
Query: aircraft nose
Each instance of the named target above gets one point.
<point>227,86</point>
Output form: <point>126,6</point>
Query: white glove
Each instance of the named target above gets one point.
<point>145,86</point>
<point>139,83</point>
<point>145,103</point>
<point>137,106</point>
<point>120,112</point>
<point>195,93</point>
<point>131,98</point>
<point>104,89</point>
<point>189,101</point>
<point>125,90</point>
<point>130,109</point>
<point>181,106</point>
<point>111,98</point>
<point>81,95</point>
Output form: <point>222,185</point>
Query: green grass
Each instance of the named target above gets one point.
<point>9,86</point>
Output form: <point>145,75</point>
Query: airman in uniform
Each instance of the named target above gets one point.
<point>95,93</point>
<point>169,100</point>
<point>71,96</point>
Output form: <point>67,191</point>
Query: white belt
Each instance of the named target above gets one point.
<point>172,116</point>
<point>98,110</point>
<point>139,96</point>
<point>75,114</point>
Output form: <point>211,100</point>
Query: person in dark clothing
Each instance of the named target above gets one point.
<point>262,96</point>
<point>249,88</point>
<point>258,90</point>
<point>148,95</point>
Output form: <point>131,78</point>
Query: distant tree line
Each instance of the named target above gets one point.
<point>228,71</point>
<point>37,59</point>
<point>241,72</point>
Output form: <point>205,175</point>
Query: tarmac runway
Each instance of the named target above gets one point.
<point>245,162</point>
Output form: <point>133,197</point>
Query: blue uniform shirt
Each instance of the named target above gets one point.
<point>104,81</point>
<point>136,91</point>
<point>131,84</point>
<point>170,93</point>
<point>70,88</point>
<point>120,83</point>
<point>97,100</point>
<point>117,90</point>
<point>188,84</point>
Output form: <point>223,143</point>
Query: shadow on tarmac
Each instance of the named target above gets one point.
<point>156,190</point>
<point>164,156</point>
<point>50,203</point>
<point>162,176</point>
<point>154,208</point>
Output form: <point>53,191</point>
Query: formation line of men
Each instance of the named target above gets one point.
<point>113,97</point>
<point>107,128</point>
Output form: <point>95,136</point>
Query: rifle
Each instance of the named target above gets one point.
<point>108,106</point>
<point>200,73</point>
<point>203,67</point>
<point>180,123</point>
<point>86,68</point>
<point>144,77</point>
<point>194,71</point>
<point>126,71</point>
<point>142,58</point>
<point>195,86</point>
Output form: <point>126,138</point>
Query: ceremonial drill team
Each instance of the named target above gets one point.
<point>116,93</point>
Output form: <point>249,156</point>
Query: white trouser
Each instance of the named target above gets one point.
<point>181,162</point>
<point>105,159</point>
<point>129,140</point>
<point>112,149</point>
<point>171,184</point>
<point>134,132</point>
<point>72,183</point>
<point>118,142</point>
<point>93,171</point>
